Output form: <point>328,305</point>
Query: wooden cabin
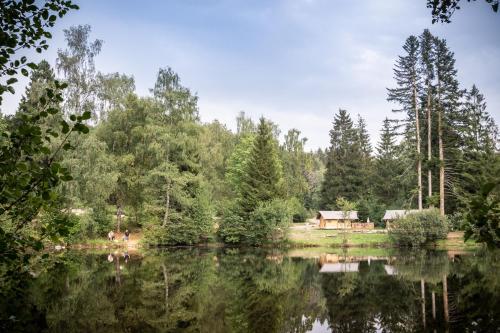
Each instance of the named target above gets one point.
<point>336,219</point>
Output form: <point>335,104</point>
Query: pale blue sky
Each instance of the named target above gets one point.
<point>293,61</point>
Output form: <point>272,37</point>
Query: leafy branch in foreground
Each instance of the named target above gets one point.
<point>24,25</point>
<point>442,10</point>
<point>29,172</point>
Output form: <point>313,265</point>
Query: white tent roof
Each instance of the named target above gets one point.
<point>338,215</point>
<point>395,214</point>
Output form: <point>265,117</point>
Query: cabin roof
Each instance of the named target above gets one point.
<point>341,267</point>
<point>397,213</point>
<point>338,215</point>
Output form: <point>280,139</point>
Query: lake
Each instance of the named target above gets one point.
<point>249,290</point>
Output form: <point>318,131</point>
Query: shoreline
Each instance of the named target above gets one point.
<point>317,239</point>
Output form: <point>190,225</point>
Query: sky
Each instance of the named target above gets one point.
<point>295,62</point>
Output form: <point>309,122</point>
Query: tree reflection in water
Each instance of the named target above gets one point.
<point>231,290</point>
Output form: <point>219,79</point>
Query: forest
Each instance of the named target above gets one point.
<point>85,154</point>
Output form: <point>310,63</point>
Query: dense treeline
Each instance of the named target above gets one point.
<point>153,159</point>
<point>183,181</point>
<point>442,151</point>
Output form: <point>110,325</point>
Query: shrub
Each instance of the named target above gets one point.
<point>419,228</point>
<point>97,222</point>
<point>270,222</point>
<point>191,226</point>
<point>232,228</point>
<point>267,223</point>
<point>297,210</point>
<point>482,214</point>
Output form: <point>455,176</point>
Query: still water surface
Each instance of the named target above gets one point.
<point>231,290</point>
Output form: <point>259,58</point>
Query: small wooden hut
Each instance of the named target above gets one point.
<point>336,219</point>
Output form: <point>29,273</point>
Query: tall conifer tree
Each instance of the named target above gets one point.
<point>427,71</point>
<point>447,103</point>
<point>263,180</point>
<point>406,95</point>
<point>343,176</point>
<point>388,168</point>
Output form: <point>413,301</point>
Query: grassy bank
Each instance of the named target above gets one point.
<point>303,238</point>
<point>335,238</point>
<point>455,241</point>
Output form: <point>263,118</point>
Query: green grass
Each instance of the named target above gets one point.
<point>97,243</point>
<point>453,244</point>
<point>335,238</point>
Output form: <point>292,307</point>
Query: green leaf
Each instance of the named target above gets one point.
<point>86,115</point>
<point>12,80</point>
<point>65,127</point>
<point>66,178</point>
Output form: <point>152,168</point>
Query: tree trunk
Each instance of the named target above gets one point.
<point>441,166</point>
<point>419,160</point>
<point>422,289</point>
<point>117,270</point>
<point>118,219</point>
<point>441,152</point>
<point>445,299</point>
<point>167,205</point>
<point>165,282</point>
<point>429,142</point>
<point>434,305</point>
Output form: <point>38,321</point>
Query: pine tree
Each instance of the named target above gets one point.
<point>263,180</point>
<point>427,60</point>
<point>388,168</point>
<point>478,139</point>
<point>406,95</point>
<point>343,176</point>
<point>447,103</point>
<point>363,138</point>
<point>478,130</point>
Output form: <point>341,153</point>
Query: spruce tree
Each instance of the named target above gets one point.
<point>447,103</point>
<point>388,168</point>
<point>478,130</point>
<point>406,95</point>
<point>427,59</point>
<point>478,140</point>
<point>263,179</point>
<point>343,176</point>
<point>363,138</point>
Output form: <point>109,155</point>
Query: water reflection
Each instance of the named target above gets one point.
<point>230,290</point>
